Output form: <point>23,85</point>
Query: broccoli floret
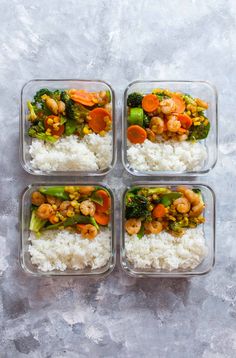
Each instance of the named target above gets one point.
<point>134,99</point>
<point>136,206</point>
<point>36,224</point>
<point>74,111</point>
<point>32,111</point>
<point>38,132</point>
<point>199,132</point>
<point>146,120</point>
<point>40,93</point>
<point>45,91</point>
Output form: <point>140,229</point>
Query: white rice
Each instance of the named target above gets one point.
<point>93,152</point>
<point>166,252</point>
<point>176,156</point>
<point>61,250</point>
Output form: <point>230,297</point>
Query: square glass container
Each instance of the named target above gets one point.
<point>24,255</point>
<point>27,93</point>
<point>201,89</point>
<point>208,228</point>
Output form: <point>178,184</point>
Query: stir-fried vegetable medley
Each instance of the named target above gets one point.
<point>54,114</point>
<point>165,115</point>
<point>82,209</point>
<point>151,210</point>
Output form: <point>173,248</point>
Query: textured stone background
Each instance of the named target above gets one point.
<point>118,41</point>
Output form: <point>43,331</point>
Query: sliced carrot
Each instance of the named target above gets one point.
<point>150,103</point>
<point>179,103</point>
<point>185,120</point>
<point>159,211</point>
<point>82,97</point>
<point>106,201</point>
<point>98,119</point>
<point>136,134</point>
<point>102,218</point>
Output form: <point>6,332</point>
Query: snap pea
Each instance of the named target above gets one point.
<point>77,219</point>
<point>57,191</point>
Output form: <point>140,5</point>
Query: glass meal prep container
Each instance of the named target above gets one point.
<point>27,93</point>
<point>200,89</point>
<point>208,229</point>
<point>24,255</point>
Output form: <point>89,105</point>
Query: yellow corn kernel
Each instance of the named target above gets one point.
<point>206,122</point>
<point>196,123</point>
<point>56,119</point>
<point>102,133</point>
<point>54,207</point>
<point>157,90</point>
<point>70,213</point>
<point>48,131</point>
<point>69,189</point>
<point>86,130</point>
<point>50,121</point>
<point>74,203</point>
<point>60,216</point>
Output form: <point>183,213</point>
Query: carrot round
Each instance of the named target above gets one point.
<point>97,119</point>
<point>150,103</point>
<point>136,134</point>
<point>179,103</point>
<point>82,97</point>
<point>159,211</point>
<point>106,201</point>
<point>185,121</point>
<point>102,218</point>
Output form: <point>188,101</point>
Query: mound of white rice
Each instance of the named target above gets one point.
<point>176,156</point>
<point>166,252</point>
<point>93,152</point>
<point>61,250</point>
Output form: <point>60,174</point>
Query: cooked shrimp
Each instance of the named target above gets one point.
<point>37,198</point>
<point>182,137</point>
<point>64,207</point>
<point>197,209</point>
<point>53,200</point>
<point>167,106</point>
<point>192,197</point>
<point>51,104</point>
<point>151,135</point>
<point>61,107</point>
<point>132,226</point>
<point>201,103</point>
<point>181,189</point>
<point>44,211</point>
<point>153,227</point>
<point>89,231</point>
<point>86,190</point>
<point>157,125</point>
<point>173,125</point>
<point>87,207</point>
<point>182,205</point>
